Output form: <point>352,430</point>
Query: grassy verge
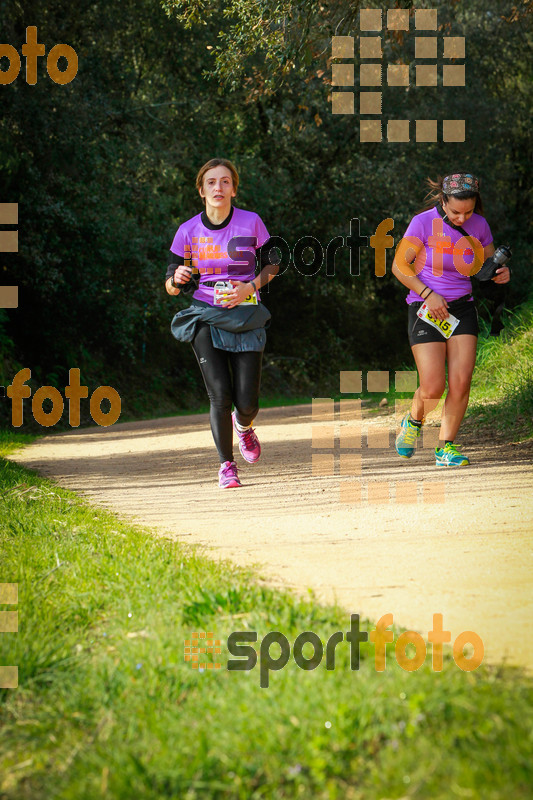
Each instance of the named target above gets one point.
<point>107,707</point>
<point>502,388</point>
<point>272,401</point>
<point>13,440</point>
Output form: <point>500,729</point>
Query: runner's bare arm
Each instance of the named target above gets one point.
<point>403,268</point>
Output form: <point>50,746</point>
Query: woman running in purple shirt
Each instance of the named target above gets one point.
<point>225,322</point>
<point>439,277</point>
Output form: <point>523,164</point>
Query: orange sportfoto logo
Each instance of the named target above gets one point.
<point>18,389</point>
<point>32,50</point>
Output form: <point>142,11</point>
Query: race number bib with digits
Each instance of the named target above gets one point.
<point>445,326</point>
<point>220,296</point>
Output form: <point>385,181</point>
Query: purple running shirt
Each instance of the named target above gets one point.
<point>208,248</point>
<point>451,284</point>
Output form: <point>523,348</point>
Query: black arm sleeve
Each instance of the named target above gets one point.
<point>263,254</point>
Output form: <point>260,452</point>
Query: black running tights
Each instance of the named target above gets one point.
<point>230,378</point>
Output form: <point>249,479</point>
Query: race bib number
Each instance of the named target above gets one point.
<point>445,326</point>
<point>220,296</point>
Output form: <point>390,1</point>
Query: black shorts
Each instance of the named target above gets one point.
<point>421,332</point>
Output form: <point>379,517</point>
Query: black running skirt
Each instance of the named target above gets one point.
<point>421,332</point>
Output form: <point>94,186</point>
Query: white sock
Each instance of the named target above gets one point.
<point>242,428</point>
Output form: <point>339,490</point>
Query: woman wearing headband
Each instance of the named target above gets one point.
<point>441,248</point>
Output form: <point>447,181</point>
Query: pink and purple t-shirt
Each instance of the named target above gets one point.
<point>451,284</point>
<point>206,245</point>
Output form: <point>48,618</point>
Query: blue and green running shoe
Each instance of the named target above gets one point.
<point>449,456</point>
<point>406,439</point>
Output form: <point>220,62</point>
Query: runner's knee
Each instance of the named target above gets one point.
<point>459,385</point>
<point>432,389</point>
<point>246,411</point>
<point>219,398</point>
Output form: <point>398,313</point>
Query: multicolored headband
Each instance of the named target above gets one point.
<point>460,182</point>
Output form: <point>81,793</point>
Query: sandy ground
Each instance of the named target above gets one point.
<point>462,546</point>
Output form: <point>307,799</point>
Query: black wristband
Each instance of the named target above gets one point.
<point>430,292</point>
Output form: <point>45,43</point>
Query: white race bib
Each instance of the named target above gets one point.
<point>221,289</point>
<point>445,326</point>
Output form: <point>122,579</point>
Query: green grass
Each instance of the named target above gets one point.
<point>107,706</point>
<point>502,386</point>
<point>11,441</point>
<point>271,401</point>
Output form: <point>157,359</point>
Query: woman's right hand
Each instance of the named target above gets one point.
<point>437,305</point>
<point>182,274</point>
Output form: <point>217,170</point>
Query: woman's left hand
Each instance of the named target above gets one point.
<point>503,275</point>
<point>238,294</point>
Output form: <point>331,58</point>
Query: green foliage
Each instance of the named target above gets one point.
<point>264,43</point>
<point>103,170</point>
<point>502,389</point>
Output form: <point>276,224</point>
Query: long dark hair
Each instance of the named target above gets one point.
<point>436,195</point>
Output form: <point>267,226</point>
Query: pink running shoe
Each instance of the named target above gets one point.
<point>227,475</point>
<point>248,442</point>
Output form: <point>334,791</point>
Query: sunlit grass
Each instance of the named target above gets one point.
<point>502,387</point>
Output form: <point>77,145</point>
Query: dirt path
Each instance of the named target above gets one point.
<point>468,556</point>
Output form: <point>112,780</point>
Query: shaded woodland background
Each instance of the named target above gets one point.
<point>103,170</point>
